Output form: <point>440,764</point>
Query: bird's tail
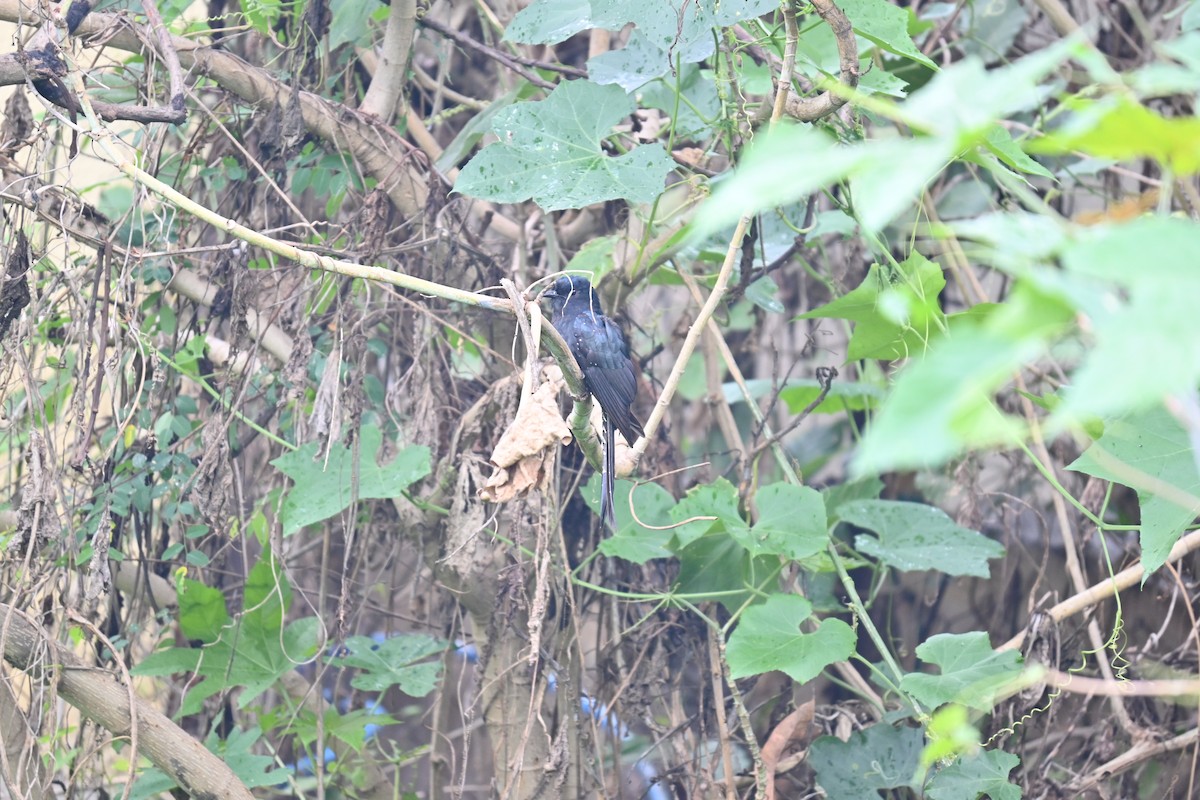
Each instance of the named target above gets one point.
<point>608,479</point>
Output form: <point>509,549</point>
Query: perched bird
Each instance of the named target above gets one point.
<point>603,355</point>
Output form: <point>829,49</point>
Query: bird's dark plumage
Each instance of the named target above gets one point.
<point>603,355</point>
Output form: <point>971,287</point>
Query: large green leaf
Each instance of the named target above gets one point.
<point>972,672</point>
<point>253,650</point>
<point>550,21</point>
<point>941,404</point>
<point>768,637</point>
<point>631,67</point>
<point>716,566</point>
<point>1121,128</point>
<point>886,175</point>
<point>791,522</point>
<point>1142,315</point>
<point>841,397</point>
<point>884,24</point>
<point>680,28</point>
<point>632,540</point>
<point>202,612</point>
<point>550,151</point>
<point>327,486</point>
<point>709,506</point>
<point>895,311</point>
<point>972,777</point>
<point>399,661</point>
<point>915,536</point>
<point>880,757</point>
<point>1155,448</point>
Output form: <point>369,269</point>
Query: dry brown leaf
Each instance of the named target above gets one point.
<point>792,727</point>
<point>525,453</point>
<point>690,155</point>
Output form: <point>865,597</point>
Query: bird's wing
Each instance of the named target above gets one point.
<point>604,357</point>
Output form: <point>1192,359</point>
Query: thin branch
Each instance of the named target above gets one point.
<point>1138,753</point>
<point>1107,588</point>
<point>380,150</point>
<point>509,60</point>
<point>166,51</point>
<point>512,62</point>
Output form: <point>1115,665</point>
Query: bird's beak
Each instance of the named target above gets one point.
<point>550,292</point>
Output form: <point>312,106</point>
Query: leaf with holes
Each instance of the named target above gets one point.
<point>915,536</point>
<point>550,151</point>
<point>396,661</point>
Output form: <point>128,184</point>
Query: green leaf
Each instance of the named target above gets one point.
<point>717,501</point>
<point>350,727</point>
<point>1190,20</point>
<point>550,151</point>
<point>1154,445</point>
<point>996,94</point>
<point>202,612</point>
<point>1001,143</point>
<point>549,21</point>
<point>992,28</point>
<point>941,404</point>
<point>881,757</point>
<point>1147,344</point>
<point>349,23</point>
<point>867,488</point>
<point>631,67</point>
<point>971,777</point>
<point>716,566</point>
<point>594,258</point>
<point>842,396</point>
<point>393,662</point>
<point>972,672</point>
<point>631,540</point>
<point>768,638</point>
<point>886,25</point>
<point>896,312</point>
<point>915,536</point>
<point>261,14</point>
<point>252,770</point>
<point>327,486</point>
<point>791,522</point>
<point>252,651</point>
<point>886,175</point>
<point>683,29</point>
<point>1122,129</point>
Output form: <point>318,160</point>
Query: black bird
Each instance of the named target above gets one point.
<point>603,355</point>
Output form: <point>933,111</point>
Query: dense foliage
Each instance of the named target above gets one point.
<point>910,291</point>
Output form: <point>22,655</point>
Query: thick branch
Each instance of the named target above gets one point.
<point>99,696</point>
<point>384,92</point>
<point>807,109</point>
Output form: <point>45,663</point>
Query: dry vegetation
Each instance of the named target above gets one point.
<point>155,362</point>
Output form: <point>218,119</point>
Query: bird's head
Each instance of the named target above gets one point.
<point>572,290</point>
